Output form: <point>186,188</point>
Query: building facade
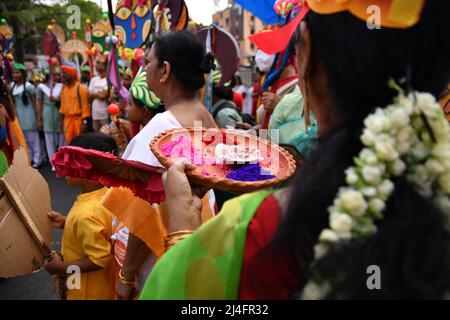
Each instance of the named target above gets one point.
<point>241,24</point>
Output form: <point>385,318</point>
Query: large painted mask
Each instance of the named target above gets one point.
<point>133,21</point>
<point>100,31</point>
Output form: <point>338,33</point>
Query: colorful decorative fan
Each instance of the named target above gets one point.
<point>58,31</point>
<point>170,15</point>
<point>224,48</point>
<point>50,43</point>
<point>239,173</point>
<point>133,21</point>
<point>88,33</point>
<point>88,42</point>
<point>74,47</point>
<point>100,31</point>
<point>7,37</point>
<point>111,171</point>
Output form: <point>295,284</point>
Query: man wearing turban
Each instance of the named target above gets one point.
<point>75,109</point>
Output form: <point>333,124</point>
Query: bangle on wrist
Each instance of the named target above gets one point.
<point>173,238</point>
<point>123,280</point>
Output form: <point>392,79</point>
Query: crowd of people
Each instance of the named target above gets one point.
<point>272,244</point>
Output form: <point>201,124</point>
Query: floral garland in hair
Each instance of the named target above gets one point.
<point>412,137</point>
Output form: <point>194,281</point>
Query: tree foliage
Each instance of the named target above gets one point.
<point>30,18</point>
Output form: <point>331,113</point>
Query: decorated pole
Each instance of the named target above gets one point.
<point>88,43</point>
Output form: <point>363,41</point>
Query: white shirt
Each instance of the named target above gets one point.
<point>139,150</point>
<point>99,107</point>
<point>246,93</point>
<point>46,90</point>
<point>18,88</point>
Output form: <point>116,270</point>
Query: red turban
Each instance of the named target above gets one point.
<point>70,70</point>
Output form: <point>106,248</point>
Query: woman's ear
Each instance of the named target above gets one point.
<point>304,47</point>
<point>165,72</point>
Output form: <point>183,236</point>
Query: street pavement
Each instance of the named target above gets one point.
<point>39,286</point>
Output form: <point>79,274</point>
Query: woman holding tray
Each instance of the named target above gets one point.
<point>175,66</point>
<point>373,195</point>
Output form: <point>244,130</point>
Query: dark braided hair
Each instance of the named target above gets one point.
<point>411,246</point>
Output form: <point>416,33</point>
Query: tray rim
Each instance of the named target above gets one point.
<point>223,183</point>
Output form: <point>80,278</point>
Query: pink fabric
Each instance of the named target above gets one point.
<point>109,170</point>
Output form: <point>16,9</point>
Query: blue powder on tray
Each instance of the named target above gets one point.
<point>249,172</point>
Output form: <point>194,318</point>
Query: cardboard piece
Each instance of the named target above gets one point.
<point>24,225</point>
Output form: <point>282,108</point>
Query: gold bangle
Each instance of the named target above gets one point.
<point>123,280</point>
<point>180,232</point>
<point>173,238</point>
<point>172,241</point>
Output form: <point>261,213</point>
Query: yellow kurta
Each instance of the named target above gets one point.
<point>87,234</point>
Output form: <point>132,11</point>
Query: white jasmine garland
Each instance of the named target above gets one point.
<point>340,223</point>
<point>369,192</point>
<point>404,135</point>
<point>353,201</point>
<point>443,203</point>
<point>420,151</point>
<point>386,188</point>
<point>320,250</point>
<point>434,167</point>
<point>385,148</point>
<point>397,142</point>
<point>441,153</point>
<point>328,235</point>
<point>377,205</point>
<point>406,103</point>
<point>368,156</point>
<point>314,291</point>
<point>397,167</point>
<point>428,104</point>
<point>399,118</point>
<point>420,175</point>
<point>368,137</point>
<point>444,182</point>
<point>372,175</point>
<point>375,122</point>
<point>441,128</point>
<point>403,147</point>
<point>351,176</point>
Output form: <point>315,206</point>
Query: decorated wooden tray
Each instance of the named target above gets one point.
<point>226,160</point>
<point>104,168</point>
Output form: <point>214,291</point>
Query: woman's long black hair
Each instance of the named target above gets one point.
<point>411,247</point>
